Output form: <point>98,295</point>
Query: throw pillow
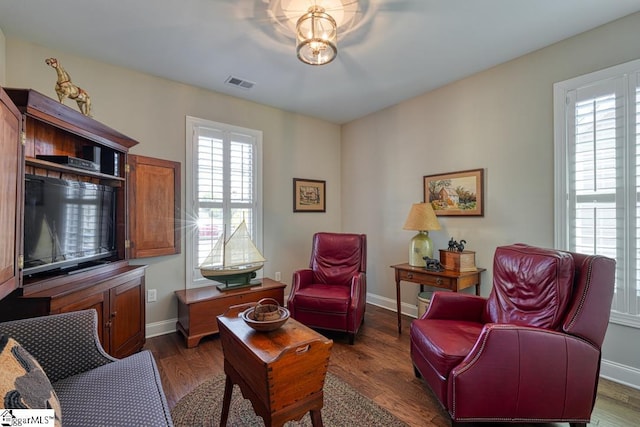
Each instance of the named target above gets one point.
<point>23,383</point>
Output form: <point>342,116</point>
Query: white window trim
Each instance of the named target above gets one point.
<point>192,278</point>
<point>561,183</point>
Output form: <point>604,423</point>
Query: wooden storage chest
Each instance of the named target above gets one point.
<point>282,372</point>
<point>198,307</point>
<point>458,261</point>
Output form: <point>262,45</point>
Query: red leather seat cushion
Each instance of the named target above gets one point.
<point>323,298</point>
<point>444,343</point>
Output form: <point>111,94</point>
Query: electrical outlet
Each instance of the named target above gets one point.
<point>278,276</point>
<point>152,295</point>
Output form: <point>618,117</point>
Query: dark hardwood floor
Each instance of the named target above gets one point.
<point>378,366</point>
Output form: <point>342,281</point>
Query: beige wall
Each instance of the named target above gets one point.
<point>152,111</point>
<point>500,120</point>
<point>2,58</point>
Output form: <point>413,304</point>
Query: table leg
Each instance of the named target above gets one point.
<point>316,418</point>
<point>478,286</point>
<point>398,304</point>
<point>226,401</point>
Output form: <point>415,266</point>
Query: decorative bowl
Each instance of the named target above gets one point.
<point>274,315</point>
<point>265,325</point>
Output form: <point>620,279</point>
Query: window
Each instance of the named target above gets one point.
<point>224,188</point>
<point>597,164</point>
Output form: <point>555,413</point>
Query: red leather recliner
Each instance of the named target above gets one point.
<point>331,293</point>
<point>528,353</point>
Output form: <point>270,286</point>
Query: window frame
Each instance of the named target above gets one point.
<point>193,277</point>
<point>629,75</point>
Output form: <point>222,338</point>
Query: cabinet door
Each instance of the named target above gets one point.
<point>154,207</point>
<point>100,303</point>
<point>127,318</point>
<point>11,193</point>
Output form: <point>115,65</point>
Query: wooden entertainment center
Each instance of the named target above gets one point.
<point>113,287</point>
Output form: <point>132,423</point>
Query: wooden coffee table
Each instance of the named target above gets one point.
<point>281,372</point>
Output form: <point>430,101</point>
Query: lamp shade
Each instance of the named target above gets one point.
<point>422,218</point>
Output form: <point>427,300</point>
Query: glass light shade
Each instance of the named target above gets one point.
<point>316,37</point>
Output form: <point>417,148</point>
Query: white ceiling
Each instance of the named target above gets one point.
<point>399,49</point>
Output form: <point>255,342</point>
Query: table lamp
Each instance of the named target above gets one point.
<point>421,218</point>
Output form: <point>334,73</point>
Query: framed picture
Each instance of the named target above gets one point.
<point>456,193</point>
<point>309,195</point>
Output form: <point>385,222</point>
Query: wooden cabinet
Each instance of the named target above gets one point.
<point>51,128</point>
<point>11,193</point>
<point>154,206</point>
<point>119,301</point>
<point>115,291</point>
<point>111,287</point>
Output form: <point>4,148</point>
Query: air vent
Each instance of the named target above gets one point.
<point>235,81</point>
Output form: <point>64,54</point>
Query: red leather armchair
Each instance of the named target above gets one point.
<point>331,293</point>
<point>528,353</point>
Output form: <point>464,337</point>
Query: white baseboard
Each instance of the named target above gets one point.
<point>390,304</point>
<point>160,328</point>
<point>613,371</point>
<point>623,374</point>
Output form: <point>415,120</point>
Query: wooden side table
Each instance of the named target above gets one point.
<point>447,279</point>
<point>198,307</point>
<point>281,372</point>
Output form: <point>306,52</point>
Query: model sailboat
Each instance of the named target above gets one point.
<point>233,262</point>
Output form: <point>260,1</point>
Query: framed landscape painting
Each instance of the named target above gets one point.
<point>456,193</point>
<point>309,195</point>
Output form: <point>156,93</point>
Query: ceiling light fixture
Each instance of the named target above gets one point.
<point>316,37</point>
<point>315,25</point>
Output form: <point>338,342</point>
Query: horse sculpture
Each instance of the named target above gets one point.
<point>66,89</point>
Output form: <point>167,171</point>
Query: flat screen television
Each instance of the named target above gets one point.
<point>67,224</point>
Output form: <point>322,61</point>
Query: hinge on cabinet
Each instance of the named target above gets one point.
<point>127,244</point>
<point>127,168</point>
<point>20,261</point>
<point>23,138</point>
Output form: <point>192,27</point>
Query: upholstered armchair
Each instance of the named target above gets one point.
<point>331,293</point>
<point>530,352</point>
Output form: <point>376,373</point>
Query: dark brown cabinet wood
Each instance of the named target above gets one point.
<point>198,307</point>
<point>116,292</point>
<point>11,192</point>
<point>154,206</point>
<point>113,288</point>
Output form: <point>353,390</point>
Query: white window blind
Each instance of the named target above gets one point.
<point>223,187</point>
<point>597,156</point>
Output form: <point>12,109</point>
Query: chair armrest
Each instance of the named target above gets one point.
<point>358,290</point>
<point>301,278</point>
<point>455,306</point>
<point>64,344</point>
<point>530,372</point>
